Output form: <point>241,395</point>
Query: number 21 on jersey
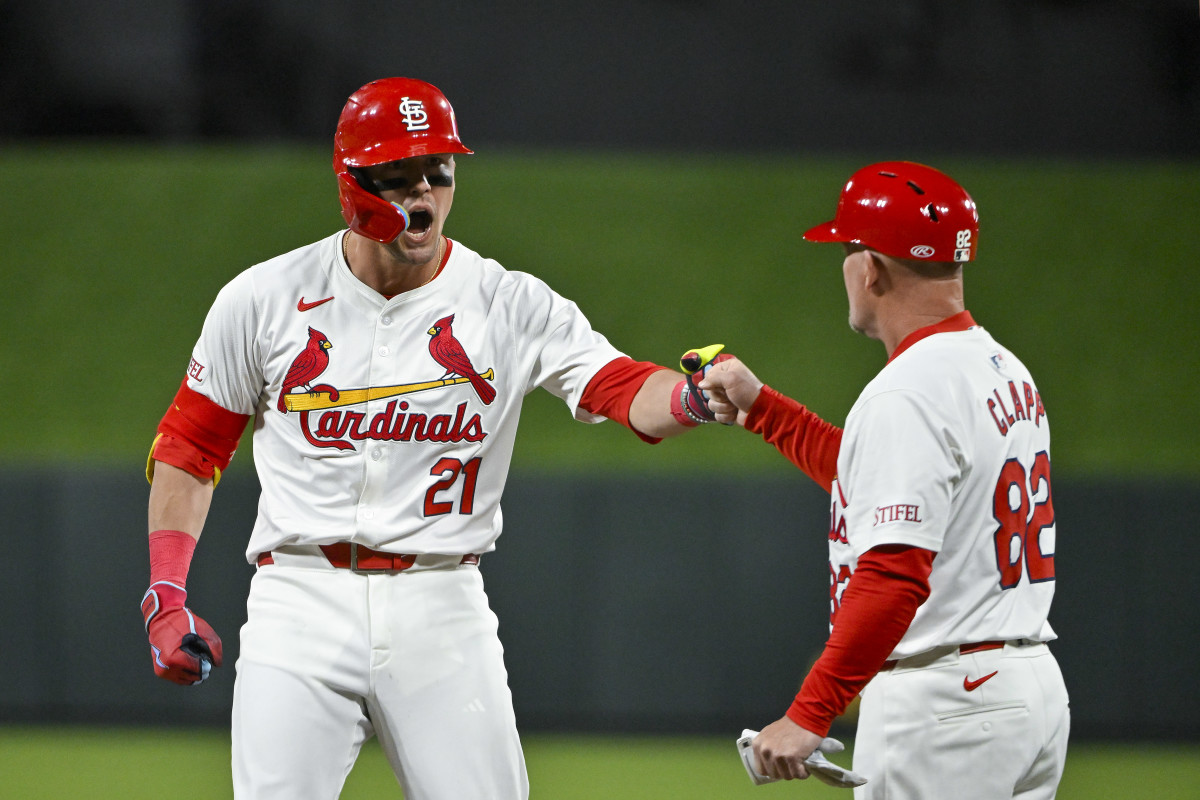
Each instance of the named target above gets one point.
<point>448,471</point>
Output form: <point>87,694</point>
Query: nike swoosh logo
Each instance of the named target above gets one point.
<point>303,306</point>
<point>971,685</point>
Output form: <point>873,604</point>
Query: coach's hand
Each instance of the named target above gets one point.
<point>183,647</point>
<point>782,748</point>
<point>731,389</point>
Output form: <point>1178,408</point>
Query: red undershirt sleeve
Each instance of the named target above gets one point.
<point>610,392</point>
<point>803,438</point>
<point>878,605</point>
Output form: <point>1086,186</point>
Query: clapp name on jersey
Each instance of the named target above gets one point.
<point>1027,407</point>
<point>335,428</point>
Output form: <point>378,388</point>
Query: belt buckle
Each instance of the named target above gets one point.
<point>354,567</point>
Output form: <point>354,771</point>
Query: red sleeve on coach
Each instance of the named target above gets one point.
<point>805,439</point>
<point>611,391</point>
<point>197,435</point>
<point>879,604</point>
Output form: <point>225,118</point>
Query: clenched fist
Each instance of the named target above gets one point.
<point>731,389</point>
<point>184,647</point>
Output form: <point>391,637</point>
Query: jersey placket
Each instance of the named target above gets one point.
<point>381,370</point>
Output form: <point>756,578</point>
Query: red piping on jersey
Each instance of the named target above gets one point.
<point>959,322</point>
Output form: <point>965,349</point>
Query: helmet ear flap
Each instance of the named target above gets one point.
<point>368,214</point>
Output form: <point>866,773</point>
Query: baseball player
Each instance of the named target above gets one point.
<point>942,528</point>
<point>384,367</point>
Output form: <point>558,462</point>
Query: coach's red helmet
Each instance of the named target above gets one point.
<point>388,120</point>
<point>904,210</point>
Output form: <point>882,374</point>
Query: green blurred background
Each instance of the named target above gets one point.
<point>1085,270</point>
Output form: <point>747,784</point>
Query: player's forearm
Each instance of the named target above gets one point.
<point>179,501</point>
<point>650,411</point>
<point>184,646</point>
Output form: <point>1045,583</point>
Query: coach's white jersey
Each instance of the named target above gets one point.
<point>360,433</point>
<point>948,449</point>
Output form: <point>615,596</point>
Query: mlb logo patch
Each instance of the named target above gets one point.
<point>998,362</point>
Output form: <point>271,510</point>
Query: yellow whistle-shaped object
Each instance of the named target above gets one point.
<point>693,360</point>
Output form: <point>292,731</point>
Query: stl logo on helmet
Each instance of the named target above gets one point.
<point>413,111</point>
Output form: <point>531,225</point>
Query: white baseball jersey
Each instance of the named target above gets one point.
<point>948,449</point>
<point>377,441</point>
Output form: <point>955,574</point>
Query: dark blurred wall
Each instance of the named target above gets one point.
<point>1068,77</point>
<point>618,611</point>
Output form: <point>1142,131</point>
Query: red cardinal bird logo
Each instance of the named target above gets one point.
<point>307,366</point>
<point>447,352</point>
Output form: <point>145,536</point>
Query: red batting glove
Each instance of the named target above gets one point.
<point>184,648</point>
<point>689,403</point>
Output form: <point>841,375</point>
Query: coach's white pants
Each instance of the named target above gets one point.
<point>329,658</point>
<point>923,736</point>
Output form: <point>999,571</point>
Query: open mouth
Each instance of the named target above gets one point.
<point>419,222</point>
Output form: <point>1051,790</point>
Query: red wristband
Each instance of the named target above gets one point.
<point>677,410</point>
<point>171,556</point>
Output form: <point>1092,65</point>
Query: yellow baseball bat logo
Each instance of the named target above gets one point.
<point>317,401</point>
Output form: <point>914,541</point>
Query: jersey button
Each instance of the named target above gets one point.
<point>368,513</point>
<point>377,453</point>
<point>383,351</point>
<point>386,320</point>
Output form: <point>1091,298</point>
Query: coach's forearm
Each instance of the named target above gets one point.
<point>179,501</point>
<point>650,411</point>
<point>877,607</point>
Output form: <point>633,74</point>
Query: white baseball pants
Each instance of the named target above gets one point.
<point>329,658</point>
<point>937,726</point>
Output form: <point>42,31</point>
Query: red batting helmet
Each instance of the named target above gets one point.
<point>385,121</point>
<point>904,210</point>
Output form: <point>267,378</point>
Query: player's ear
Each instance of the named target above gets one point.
<point>876,275</point>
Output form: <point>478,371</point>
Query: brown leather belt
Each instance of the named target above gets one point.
<point>355,557</point>
<point>963,649</point>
